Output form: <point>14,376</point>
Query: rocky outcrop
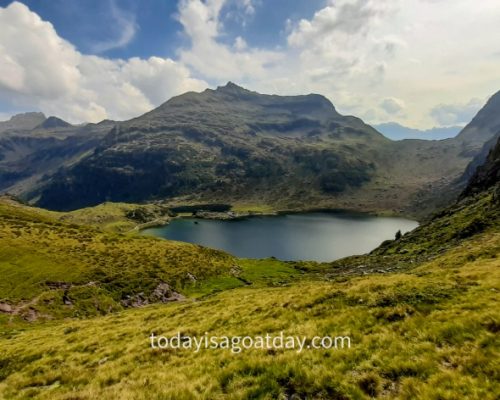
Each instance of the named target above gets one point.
<point>486,175</point>
<point>163,293</point>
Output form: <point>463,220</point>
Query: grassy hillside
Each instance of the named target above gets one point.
<point>114,217</point>
<point>54,269</point>
<point>430,333</point>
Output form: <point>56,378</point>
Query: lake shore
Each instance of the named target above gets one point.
<point>241,215</point>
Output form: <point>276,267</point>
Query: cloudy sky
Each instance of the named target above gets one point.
<point>421,63</point>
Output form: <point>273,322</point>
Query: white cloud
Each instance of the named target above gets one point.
<point>248,6</point>
<point>342,18</point>
<point>125,26</point>
<point>37,62</point>
<point>392,105</point>
<point>359,53</point>
<point>41,71</point>
<point>212,59</point>
<point>240,44</point>
<point>456,114</point>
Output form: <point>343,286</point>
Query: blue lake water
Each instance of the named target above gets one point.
<point>312,236</point>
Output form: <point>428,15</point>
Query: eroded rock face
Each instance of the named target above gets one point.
<point>163,293</point>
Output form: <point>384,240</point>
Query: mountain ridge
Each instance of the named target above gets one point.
<point>234,146</point>
<point>485,124</point>
<point>23,121</point>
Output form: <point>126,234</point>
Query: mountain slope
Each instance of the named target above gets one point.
<point>29,153</point>
<point>235,146</point>
<point>228,144</point>
<point>479,159</point>
<point>484,125</point>
<point>53,122</point>
<point>487,175</point>
<point>26,121</point>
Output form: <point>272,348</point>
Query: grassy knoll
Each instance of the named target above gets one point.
<point>114,217</point>
<point>249,272</point>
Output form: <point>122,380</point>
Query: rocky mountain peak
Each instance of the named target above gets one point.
<point>231,88</point>
<point>485,124</point>
<point>24,121</point>
<point>53,122</point>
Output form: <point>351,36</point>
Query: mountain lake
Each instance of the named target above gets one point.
<point>310,236</point>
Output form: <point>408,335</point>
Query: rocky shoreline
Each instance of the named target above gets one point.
<point>228,215</point>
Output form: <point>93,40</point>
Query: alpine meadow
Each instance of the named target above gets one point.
<point>246,199</point>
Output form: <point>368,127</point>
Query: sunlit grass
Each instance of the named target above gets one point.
<point>430,334</point>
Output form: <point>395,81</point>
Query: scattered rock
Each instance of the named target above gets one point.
<point>163,293</point>
<point>235,270</point>
<point>5,308</point>
<point>66,300</point>
<point>31,315</point>
<point>102,360</point>
<point>58,285</point>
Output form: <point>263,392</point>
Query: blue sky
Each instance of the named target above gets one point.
<point>414,62</point>
<point>90,23</point>
<point>86,24</point>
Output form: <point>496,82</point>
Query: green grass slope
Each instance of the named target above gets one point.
<point>53,269</point>
<point>431,333</point>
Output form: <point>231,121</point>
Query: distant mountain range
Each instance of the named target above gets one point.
<point>395,131</point>
<point>238,147</point>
